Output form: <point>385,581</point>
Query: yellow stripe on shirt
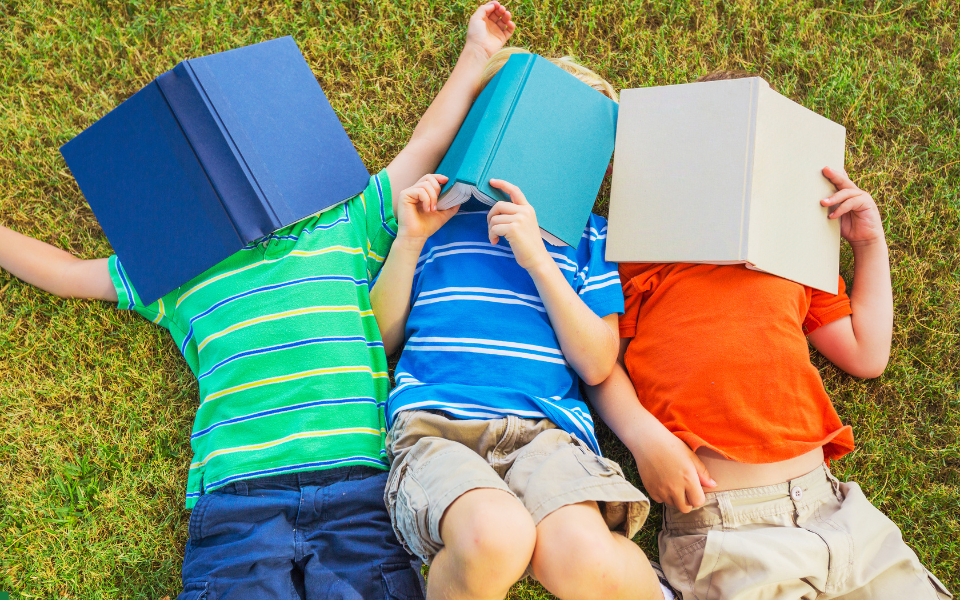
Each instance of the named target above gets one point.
<point>290,377</point>
<point>281,315</point>
<point>206,282</point>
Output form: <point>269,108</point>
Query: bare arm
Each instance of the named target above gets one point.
<point>54,270</point>
<point>489,28</point>
<point>589,342</point>
<point>670,471</point>
<point>860,344</point>
<point>418,219</point>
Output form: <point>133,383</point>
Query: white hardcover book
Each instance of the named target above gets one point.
<point>725,172</point>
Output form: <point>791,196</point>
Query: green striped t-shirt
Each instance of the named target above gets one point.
<point>285,346</point>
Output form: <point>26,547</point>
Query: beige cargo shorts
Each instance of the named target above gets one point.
<point>812,537</point>
<point>435,460</point>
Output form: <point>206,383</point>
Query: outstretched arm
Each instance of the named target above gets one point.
<point>53,269</point>
<point>489,28</point>
<point>588,342</point>
<point>860,344</point>
<point>670,471</point>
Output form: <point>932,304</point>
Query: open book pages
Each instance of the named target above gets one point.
<point>461,192</point>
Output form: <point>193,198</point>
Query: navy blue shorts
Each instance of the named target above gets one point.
<point>316,534</point>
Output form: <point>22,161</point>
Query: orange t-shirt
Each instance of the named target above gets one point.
<point>719,356</point>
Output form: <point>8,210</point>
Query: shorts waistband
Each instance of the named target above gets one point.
<point>298,480</point>
<point>732,508</point>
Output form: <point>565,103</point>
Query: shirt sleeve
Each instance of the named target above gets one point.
<point>160,312</point>
<point>639,281</point>
<point>826,308</point>
<point>381,225</point>
<point>598,282</point>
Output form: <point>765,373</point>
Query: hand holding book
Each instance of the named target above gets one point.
<point>859,216</point>
<point>517,221</point>
<point>417,214</point>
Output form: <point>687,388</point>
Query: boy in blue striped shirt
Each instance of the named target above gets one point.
<point>496,469</point>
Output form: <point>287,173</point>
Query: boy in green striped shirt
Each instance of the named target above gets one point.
<point>289,466</point>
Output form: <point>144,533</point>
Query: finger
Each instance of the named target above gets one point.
<point>499,231</point>
<point>501,208</point>
<point>679,501</point>
<point>433,188</point>
<point>850,205</point>
<point>516,196</point>
<point>838,177</point>
<point>490,12</point>
<point>702,474</point>
<point>694,494</point>
<point>424,197</point>
<point>511,26</point>
<point>501,220</point>
<point>840,196</point>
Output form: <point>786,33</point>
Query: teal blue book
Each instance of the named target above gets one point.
<point>543,130</point>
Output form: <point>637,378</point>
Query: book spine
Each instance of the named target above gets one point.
<point>171,108</point>
<point>522,81</point>
<point>753,117</point>
<point>495,120</point>
<point>243,200</point>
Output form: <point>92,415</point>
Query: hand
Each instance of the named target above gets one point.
<point>517,221</point>
<point>417,212</point>
<point>489,28</point>
<point>859,216</point>
<point>672,473</point>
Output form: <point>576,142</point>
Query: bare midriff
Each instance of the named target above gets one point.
<point>732,475</point>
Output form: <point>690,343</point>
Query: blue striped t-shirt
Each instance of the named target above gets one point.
<point>479,344</point>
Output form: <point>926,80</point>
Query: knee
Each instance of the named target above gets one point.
<point>572,559</point>
<point>495,533</point>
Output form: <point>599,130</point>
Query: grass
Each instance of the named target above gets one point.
<point>96,405</point>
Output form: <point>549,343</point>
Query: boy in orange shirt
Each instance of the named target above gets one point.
<point>729,401</point>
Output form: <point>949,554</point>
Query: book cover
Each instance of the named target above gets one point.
<point>725,172</point>
<point>543,130</point>
<point>214,154</point>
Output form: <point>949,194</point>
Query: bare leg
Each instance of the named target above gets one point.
<point>577,558</point>
<point>488,539</point>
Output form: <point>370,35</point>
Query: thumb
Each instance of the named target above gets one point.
<point>516,196</point>
<point>705,479</point>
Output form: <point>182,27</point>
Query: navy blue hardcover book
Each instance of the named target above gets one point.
<point>216,153</point>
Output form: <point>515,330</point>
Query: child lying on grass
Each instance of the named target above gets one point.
<point>289,466</point>
<point>718,356</point>
<point>495,465</point>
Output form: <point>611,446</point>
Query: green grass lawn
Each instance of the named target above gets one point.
<point>96,404</point>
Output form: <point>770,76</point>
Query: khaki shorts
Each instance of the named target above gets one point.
<point>435,460</point>
<point>812,537</point>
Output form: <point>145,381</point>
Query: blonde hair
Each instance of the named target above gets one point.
<point>567,63</point>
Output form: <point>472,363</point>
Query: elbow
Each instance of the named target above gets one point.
<point>596,374</point>
<point>869,369</point>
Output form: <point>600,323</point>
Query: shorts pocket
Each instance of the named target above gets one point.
<point>681,557</point>
<point>195,524</point>
<point>196,590</point>
<point>402,581</point>
<point>594,464</point>
<point>709,563</point>
<point>408,505</point>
